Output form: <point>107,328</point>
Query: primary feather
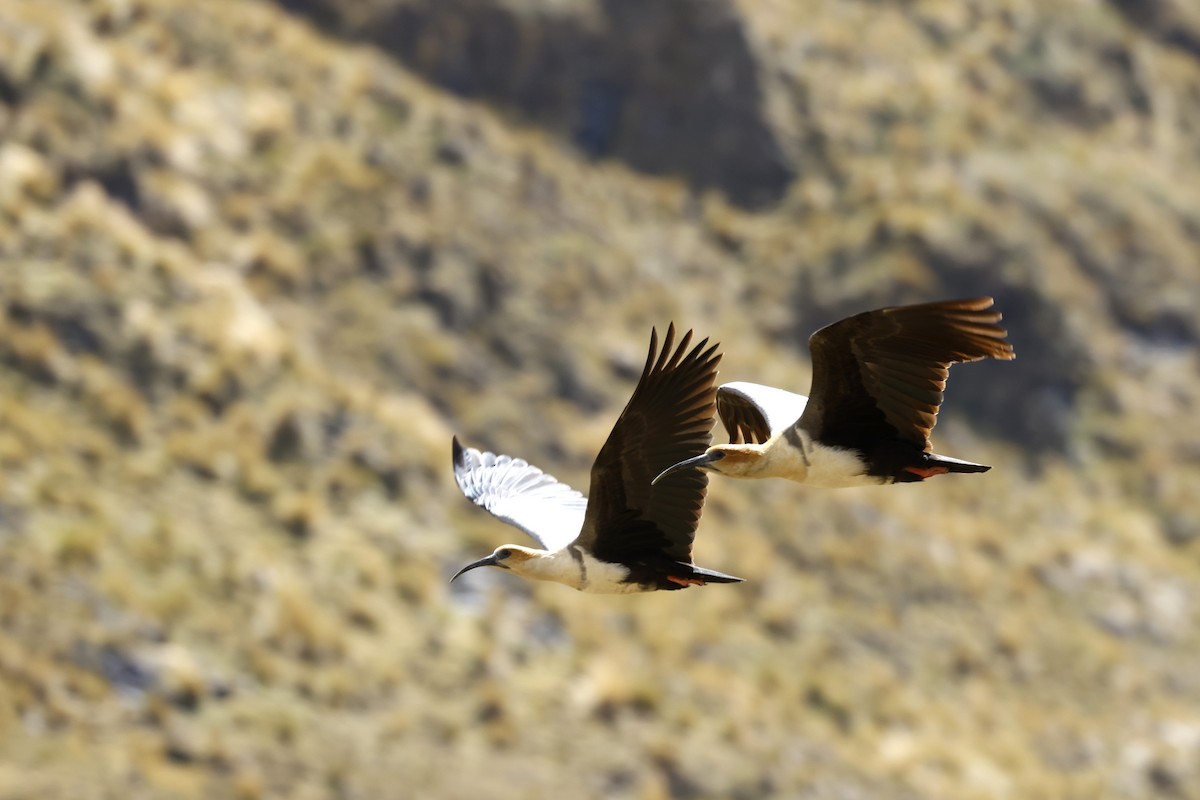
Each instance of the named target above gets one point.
<point>752,412</point>
<point>515,491</point>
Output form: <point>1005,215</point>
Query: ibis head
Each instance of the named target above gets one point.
<point>732,460</point>
<point>512,557</point>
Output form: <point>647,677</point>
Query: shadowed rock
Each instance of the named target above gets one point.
<point>671,88</point>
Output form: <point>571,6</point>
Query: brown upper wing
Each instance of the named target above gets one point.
<point>882,373</point>
<point>668,419</point>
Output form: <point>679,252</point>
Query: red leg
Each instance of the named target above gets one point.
<point>929,472</point>
<point>685,581</point>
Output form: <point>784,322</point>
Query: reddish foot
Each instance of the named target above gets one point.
<point>927,473</point>
<point>685,581</point>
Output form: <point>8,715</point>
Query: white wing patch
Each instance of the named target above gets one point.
<point>518,493</point>
<point>779,408</point>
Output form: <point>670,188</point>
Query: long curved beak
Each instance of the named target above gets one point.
<point>487,561</point>
<point>700,461</point>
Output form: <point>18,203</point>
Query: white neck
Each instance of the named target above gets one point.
<point>774,458</point>
<point>781,460</point>
<point>578,569</point>
<point>814,464</point>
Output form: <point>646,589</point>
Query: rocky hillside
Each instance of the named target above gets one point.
<point>258,262</point>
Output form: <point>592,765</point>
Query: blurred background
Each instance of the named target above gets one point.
<point>260,260</point>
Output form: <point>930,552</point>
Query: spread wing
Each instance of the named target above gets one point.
<point>753,413</point>
<point>668,419</point>
<point>520,494</point>
<point>882,374</point>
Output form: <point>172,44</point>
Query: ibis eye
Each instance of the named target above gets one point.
<point>503,553</point>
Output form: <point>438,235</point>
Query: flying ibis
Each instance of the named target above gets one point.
<point>878,381</point>
<point>630,535</point>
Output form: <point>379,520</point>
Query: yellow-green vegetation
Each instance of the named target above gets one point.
<point>254,276</point>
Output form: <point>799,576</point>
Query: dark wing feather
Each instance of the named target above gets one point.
<point>743,419</point>
<point>668,419</point>
<point>753,413</point>
<point>881,374</point>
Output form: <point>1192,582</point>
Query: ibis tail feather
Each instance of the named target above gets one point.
<point>956,464</point>
<point>712,576</point>
<point>933,464</point>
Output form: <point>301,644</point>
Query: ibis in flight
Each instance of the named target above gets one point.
<point>629,535</point>
<point>877,382</point>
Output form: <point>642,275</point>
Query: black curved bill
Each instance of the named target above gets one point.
<point>702,460</point>
<point>487,561</point>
